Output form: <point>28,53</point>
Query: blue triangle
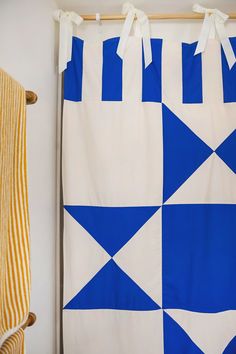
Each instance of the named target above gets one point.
<point>227,151</point>
<point>111,288</point>
<point>183,152</point>
<point>111,227</point>
<point>231,347</point>
<point>176,340</point>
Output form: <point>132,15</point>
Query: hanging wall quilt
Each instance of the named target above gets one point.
<point>149,187</point>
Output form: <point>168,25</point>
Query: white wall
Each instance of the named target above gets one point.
<point>27,53</point>
<point>149,6</point>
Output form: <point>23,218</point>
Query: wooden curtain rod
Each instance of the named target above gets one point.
<point>31,97</point>
<point>166,16</point>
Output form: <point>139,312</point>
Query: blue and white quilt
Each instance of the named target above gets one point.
<point>149,185</point>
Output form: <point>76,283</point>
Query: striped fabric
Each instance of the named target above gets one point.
<point>14,218</point>
<point>14,344</point>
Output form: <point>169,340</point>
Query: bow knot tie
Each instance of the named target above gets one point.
<point>214,23</point>
<point>130,11</point>
<point>68,16</point>
<point>220,16</point>
<point>129,8</point>
<point>66,20</point>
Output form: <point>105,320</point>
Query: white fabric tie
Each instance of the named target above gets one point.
<point>130,11</point>
<point>66,21</point>
<point>98,17</point>
<point>214,23</point>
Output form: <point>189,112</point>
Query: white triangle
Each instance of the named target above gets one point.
<point>212,123</point>
<point>210,331</point>
<point>213,182</point>
<point>83,257</point>
<point>141,258</point>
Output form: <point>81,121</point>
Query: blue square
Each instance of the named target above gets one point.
<point>199,257</point>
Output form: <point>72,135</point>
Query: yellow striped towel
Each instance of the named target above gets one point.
<point>14,343</point>
<point>14,216</point>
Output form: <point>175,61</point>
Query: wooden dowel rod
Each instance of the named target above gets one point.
<point>31,97</point>
<point>166,16</point>
<point>30,321</point>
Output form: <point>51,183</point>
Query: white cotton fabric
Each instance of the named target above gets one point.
<point>98,170</point>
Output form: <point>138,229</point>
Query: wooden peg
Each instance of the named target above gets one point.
<point>31,97</point>
<point>30,320</point>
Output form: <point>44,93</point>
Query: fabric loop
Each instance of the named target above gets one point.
<point>66,21</point>
<point>214,23</point>
<point>98,17</point>
<point>130,11</point>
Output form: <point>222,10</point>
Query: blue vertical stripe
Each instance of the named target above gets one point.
<point>229,76</point>
<point>74,73</point>
<point>111,71</point>
<point>151,85</point>
<point>191,74</point>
